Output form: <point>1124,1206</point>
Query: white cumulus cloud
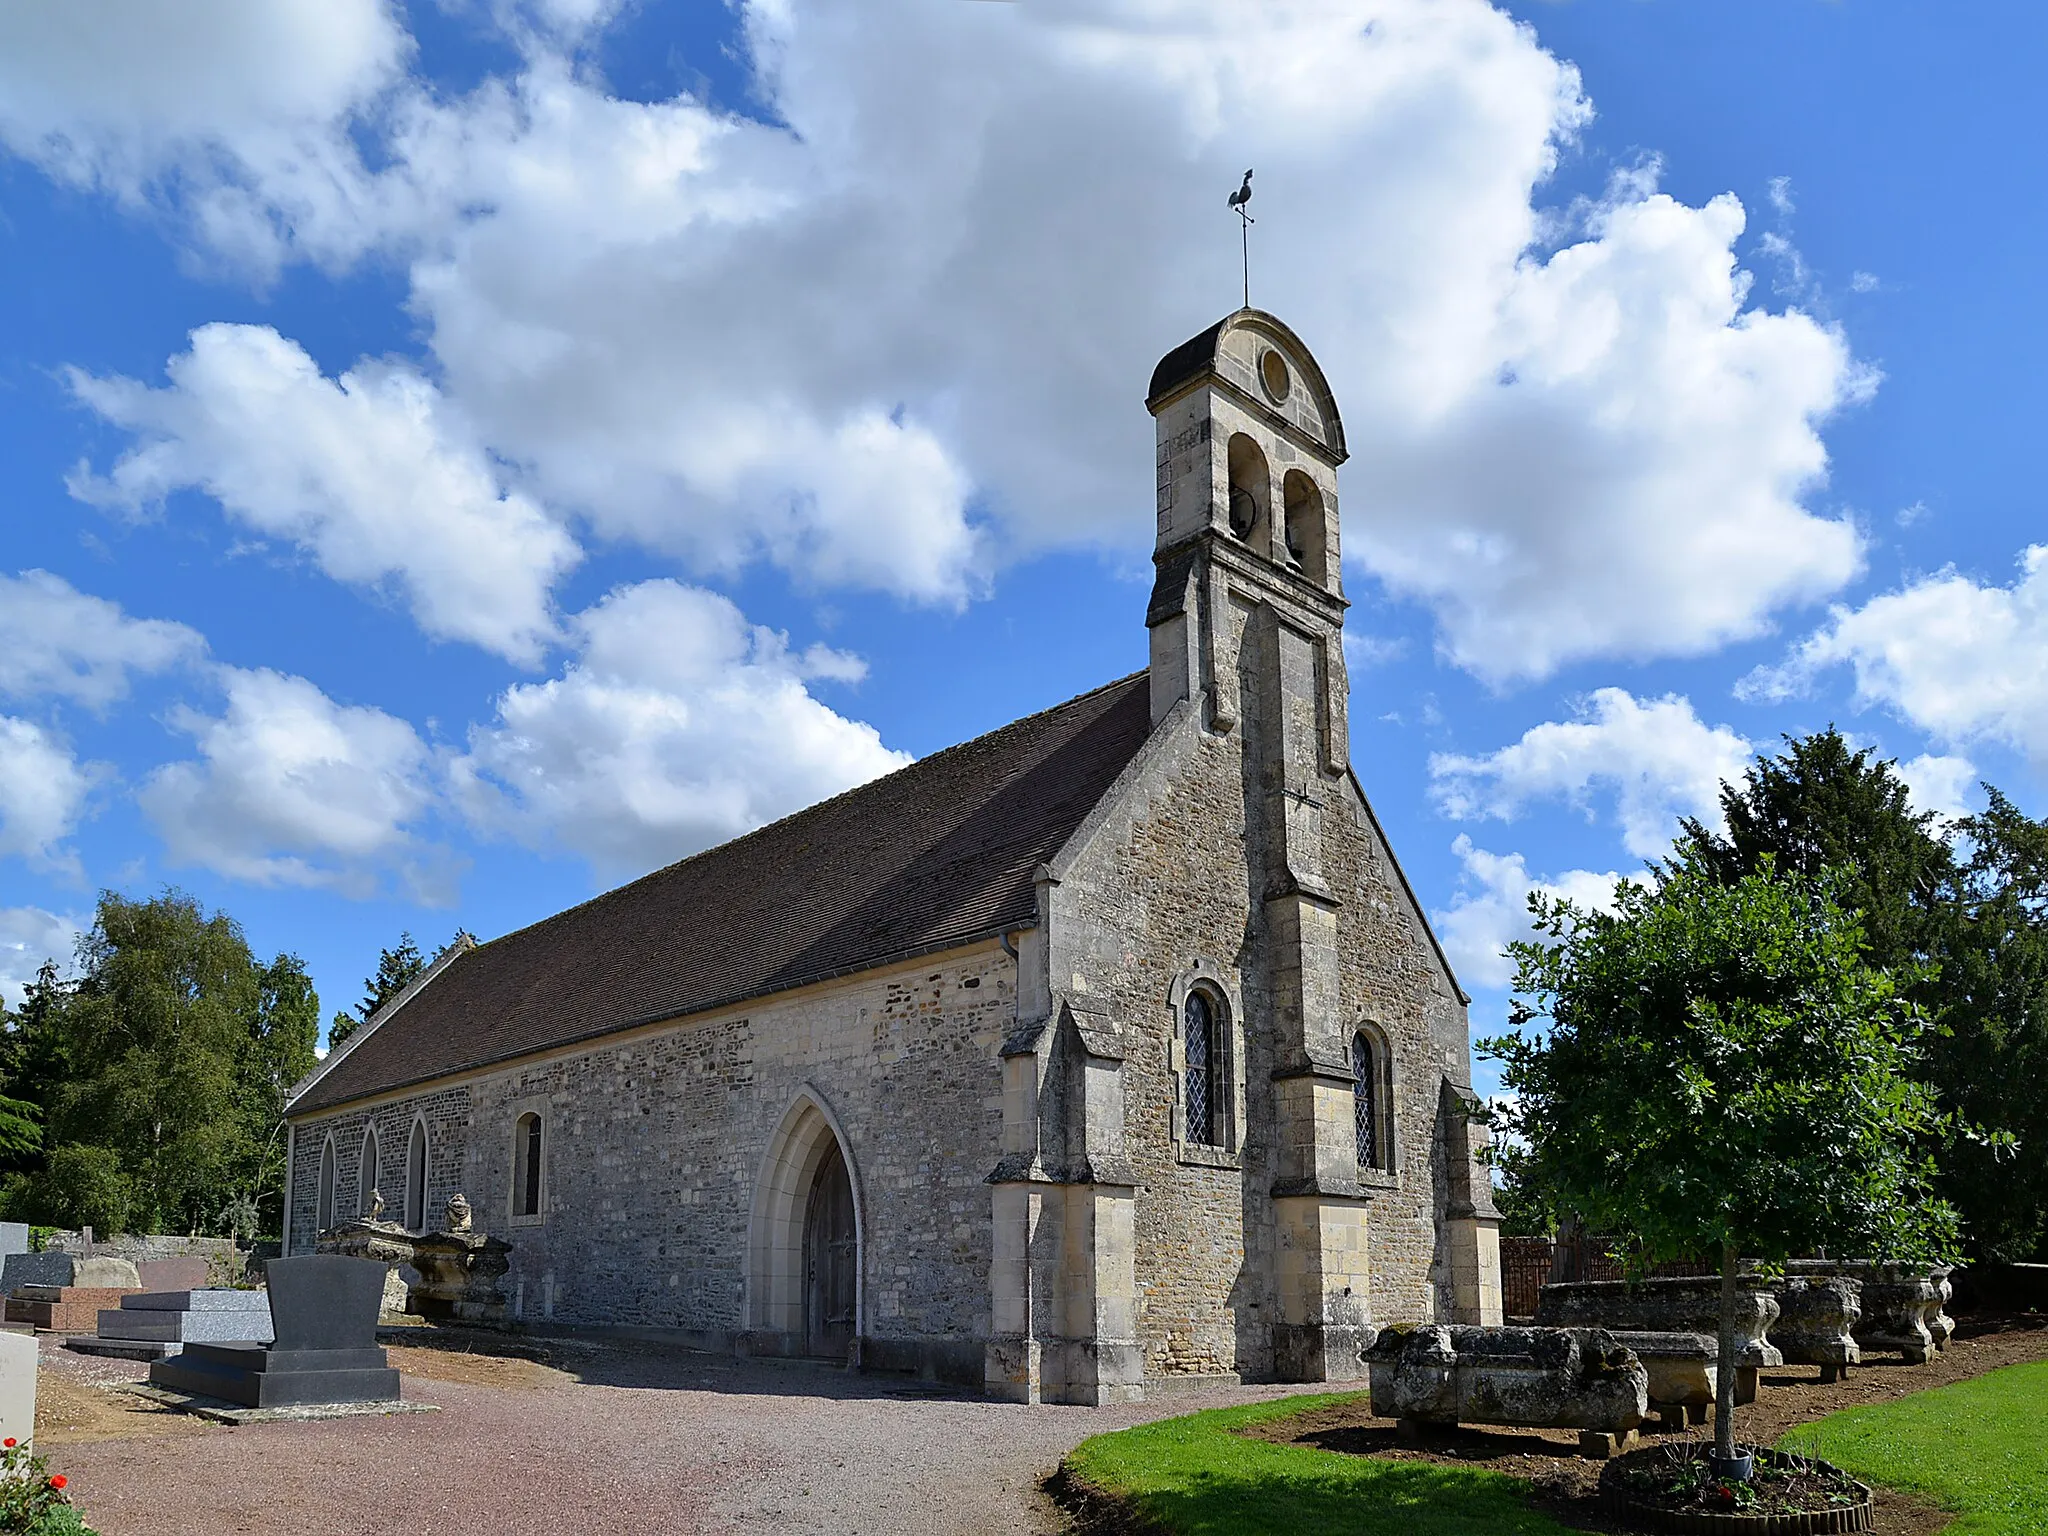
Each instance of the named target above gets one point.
<point>678,726</point>
<point>1657,758</point>
<point>238,108</point>
<point>367,472</point>
<point>291,788</point>
<point>29,936</point>
<point>1940,782</point>
<point>891,330</point>
<point>58,642</point>
<point>43,792</point>
<point>1964,661</point>
<point>1491,909</point>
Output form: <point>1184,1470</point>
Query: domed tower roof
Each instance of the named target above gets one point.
<point>1256,358</point>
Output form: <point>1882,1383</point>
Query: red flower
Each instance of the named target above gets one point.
<point>59,1481</point>
<point>8,1442</point>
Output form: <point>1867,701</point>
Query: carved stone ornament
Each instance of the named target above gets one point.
<point>458,1212</point>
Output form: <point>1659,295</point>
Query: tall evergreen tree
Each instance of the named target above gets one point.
<point>1821,807</point>
<point>31,1065</point>
<point>397,969</point>
<point>1990,995</point>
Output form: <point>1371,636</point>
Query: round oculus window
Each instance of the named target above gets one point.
<point>1273,371</point>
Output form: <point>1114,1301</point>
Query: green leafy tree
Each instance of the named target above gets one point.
<point>82,1187</point>
<point>170,1059</point>
<point>1722,1072</point>
<point>279,1051</point>
<point>155,1034</point>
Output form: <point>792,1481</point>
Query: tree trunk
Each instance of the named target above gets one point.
<point>1724,1378</point>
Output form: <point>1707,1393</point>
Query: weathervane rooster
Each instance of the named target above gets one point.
<point>1238,200</point>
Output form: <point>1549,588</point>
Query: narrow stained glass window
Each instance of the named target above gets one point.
<point>1200,1016</point>
<point>529,1165</point>
<point>1364,1106</point>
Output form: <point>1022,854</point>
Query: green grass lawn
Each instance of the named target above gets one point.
<point>1196,1478</point>
<point>1979,1448</point>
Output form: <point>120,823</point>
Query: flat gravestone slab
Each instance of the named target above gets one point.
<point>36,1269</point>
<point>186,1327</point>
<point>187,1272</point>
<point>13,1237</point>
<point>198,1301</point>
<point>18,1356</point>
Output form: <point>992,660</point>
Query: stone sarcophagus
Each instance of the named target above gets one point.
<point>1683,1370</point>
<point>1817,1319</point>
<point>1544,1378</point>
<point>458,1267</point>
<point>1901,1303</point>
<point>1681,1304</point>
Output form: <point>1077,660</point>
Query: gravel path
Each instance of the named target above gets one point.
<point>637,1439</point>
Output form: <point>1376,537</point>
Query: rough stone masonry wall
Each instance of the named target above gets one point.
<point>1170,888</point>
<point>654,1144</point>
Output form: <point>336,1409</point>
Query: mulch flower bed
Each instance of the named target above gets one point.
<point>1678,1479</point>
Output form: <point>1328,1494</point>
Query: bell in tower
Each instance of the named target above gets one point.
<point>1249,442</point>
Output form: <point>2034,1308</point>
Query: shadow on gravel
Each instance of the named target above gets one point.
<point>655,1365</point>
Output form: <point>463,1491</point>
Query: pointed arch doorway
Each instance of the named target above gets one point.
<point>831,1260</point>
<point>806,1239</point>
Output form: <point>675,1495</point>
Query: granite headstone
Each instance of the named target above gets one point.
<point>50,1268</point>
<point>323,1310</point>
<point>13,1237</point>
<point>185,1272</point>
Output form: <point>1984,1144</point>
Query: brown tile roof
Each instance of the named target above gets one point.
<point>937,854</point>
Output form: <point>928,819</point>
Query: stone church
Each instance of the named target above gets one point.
<point>1109,1048</point>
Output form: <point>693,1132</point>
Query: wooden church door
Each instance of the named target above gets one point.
<point>831,1254</point>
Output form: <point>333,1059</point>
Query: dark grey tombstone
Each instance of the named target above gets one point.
<point>323,1309</point>
<point>52,1268</point>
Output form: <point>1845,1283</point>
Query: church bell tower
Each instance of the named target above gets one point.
<point>1246,621</point>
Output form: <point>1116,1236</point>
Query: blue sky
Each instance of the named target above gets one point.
<point>481,451</point>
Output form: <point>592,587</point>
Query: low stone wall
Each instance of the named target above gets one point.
<point>223,1259</point>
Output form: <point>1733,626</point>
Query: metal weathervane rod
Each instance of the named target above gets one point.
<point>1238,200</point>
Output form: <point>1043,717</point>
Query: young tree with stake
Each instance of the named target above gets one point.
<point>1722,1074</point>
